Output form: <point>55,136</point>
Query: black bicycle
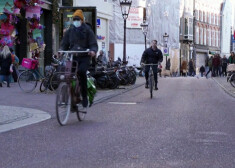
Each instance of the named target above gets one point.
<point>151,79</point>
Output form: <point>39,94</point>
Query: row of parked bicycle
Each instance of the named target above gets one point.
<point>103,77</point>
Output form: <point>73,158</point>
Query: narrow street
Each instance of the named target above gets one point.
<point>188,123</point>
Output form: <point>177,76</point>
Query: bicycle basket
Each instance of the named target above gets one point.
<point>29,63</point>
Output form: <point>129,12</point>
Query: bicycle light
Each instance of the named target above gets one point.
<point>62,77</point>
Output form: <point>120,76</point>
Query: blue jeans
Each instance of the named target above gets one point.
<point>5,77</point>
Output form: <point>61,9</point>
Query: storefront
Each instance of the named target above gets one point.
<point>26,26</point>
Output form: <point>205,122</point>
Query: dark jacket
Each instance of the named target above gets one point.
<point>5,65</point>
<point>79,39</point>
<point>150,56</point>
<point>202,69</point>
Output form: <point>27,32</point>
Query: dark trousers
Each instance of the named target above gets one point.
<point>154,67</point>
<point>5,78</point>
<point>210,70</point>
<point>224,70</point>
<point>83,65</point>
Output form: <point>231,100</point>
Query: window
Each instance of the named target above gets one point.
<point>200,15</point>
<point>213,37</point>
<point>209,18</point>
<point>197,34</point>
<point>215,19</point>
<point>204,33</point>
<point>197,14</point>
<point>212,18</point>
<point>205,17</point>
<point>209,37</point>
<point>201,35</point>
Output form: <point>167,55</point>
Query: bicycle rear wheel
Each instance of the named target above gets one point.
<point>27,81</point>
<point>44,85</point>
<point>63,103</point>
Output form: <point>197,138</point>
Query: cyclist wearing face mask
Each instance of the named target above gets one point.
<point>80,37</point>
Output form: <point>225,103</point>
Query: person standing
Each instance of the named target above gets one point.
<point>80,37</point>
<point>152,55</point>
<point>224,65</point>
<point>5,64</point>
<point>191,68</point>
<point>101,59</point>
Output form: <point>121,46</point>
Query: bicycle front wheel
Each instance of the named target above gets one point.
<point>63,103</point>
<point>27,81</point>
<point>151,82</point>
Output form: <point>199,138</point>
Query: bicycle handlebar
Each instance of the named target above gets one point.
<point>71,52</point>
<point>149,64</point>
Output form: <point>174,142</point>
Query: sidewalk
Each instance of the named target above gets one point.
<point>13,116</point>
<point>226,86</point>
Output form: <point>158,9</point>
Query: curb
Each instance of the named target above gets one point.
<point>226,90</point>
<point>30,116</point>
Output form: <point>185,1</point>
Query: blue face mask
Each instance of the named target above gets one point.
<point>77,23</point>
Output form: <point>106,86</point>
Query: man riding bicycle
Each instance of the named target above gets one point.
<point>152,55</point>
<point>80,37</point>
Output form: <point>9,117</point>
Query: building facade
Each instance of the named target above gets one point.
<point>207,30</point>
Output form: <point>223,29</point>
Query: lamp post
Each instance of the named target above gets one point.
<point>125,8</point>
<point>144,26</point>
<point>165,38</point>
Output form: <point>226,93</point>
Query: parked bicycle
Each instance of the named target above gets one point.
<point>69,97</point>
<point>29,78</point>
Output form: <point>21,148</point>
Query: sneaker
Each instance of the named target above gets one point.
<point>81,108</point>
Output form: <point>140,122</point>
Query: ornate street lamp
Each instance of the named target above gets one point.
<point>144,26</point>
<point>165,38</point>
<point>125,8</point>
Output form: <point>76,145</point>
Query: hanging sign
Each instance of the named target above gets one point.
<point>33,11</point>
<point>166,51</point>
<point>135,18</point>
<point>98,23</point>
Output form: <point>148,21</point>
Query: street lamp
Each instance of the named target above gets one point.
<point>144,26</point>
<point>125,8</point>
<point>165,38</point>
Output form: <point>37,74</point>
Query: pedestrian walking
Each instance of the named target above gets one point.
<point>15,63</point>
<point>231,59</point>
<point>183,70</point>
<point>202,70</point>
<point>216,64</point>
<point>210,66</point>
<point>5,65</point>
<point>224,62</point>
<point>191,68</point>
